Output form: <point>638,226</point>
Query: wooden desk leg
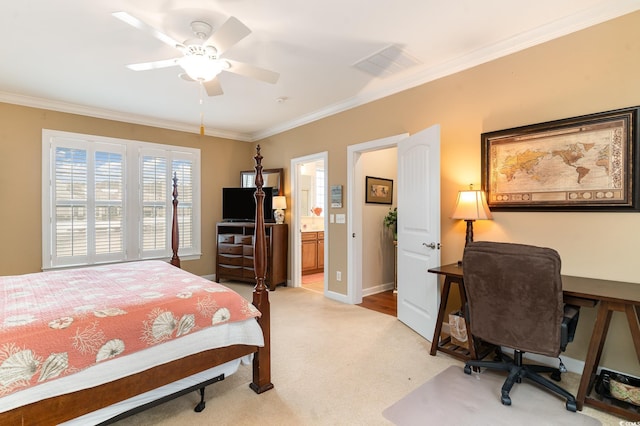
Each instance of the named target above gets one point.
<point>598,337</point>
<point>473,350</point>
<point>443,306</point>
<point>633,317</point>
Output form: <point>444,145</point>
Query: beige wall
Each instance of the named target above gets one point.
<point>590,71</point>
<point>377,240</point>
<point>20,177</point>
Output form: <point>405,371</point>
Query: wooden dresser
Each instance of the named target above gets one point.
<point>235,252</point>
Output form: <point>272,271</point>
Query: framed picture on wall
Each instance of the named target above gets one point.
<point>586,163</point>
<point>336,196</point>
<point>378,190</point>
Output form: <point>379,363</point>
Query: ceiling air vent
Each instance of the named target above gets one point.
<point>390,60</point>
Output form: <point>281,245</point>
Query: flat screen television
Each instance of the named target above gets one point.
<point>239,204</point>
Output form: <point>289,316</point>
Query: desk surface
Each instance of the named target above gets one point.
<point>589,288</point>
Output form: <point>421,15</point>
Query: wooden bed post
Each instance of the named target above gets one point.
<point>175,260</point>
<point>262,359</point>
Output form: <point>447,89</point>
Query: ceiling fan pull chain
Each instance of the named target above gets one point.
<point>201,109</point>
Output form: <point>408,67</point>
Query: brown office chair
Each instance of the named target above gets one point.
<point>514,297</point>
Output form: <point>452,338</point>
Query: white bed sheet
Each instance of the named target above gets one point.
<point>246,332</point>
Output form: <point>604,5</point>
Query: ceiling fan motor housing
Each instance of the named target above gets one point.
<point>201,29</point>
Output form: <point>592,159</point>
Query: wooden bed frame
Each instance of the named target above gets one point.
<point>61,408</point>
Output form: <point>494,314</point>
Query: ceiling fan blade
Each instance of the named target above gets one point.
<point>231,32</point>
<point>213,87</point>
<point>252,71</point>
<point>145,66</point>
<point>141,25</point>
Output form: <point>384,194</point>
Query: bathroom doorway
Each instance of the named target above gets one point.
<point>309,199</point>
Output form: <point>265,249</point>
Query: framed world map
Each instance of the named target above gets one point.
<point>581,163</point>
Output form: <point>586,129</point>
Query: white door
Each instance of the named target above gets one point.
<point>419,230</point>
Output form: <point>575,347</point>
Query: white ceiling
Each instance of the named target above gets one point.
<point>70,55</point>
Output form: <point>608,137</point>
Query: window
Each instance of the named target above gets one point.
<point>319,186</point>
<point>110,200</point>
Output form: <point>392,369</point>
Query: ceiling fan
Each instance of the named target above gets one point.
<point>201,57</point>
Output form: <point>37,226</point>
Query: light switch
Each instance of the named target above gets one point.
<point>340,218</point>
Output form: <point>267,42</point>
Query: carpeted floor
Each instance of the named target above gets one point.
<point>332,364</point>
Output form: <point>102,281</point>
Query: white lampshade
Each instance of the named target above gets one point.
<point>279,202</point>
<point>471,205</point>
<point>201,67</point>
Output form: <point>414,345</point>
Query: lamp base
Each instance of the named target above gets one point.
<point>469,235</point>
<point>278,215</point>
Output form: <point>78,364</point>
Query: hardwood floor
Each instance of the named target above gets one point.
<point>385,302</point>
<point>313,282</point>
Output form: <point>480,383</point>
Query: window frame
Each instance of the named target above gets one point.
<point>132,152</point>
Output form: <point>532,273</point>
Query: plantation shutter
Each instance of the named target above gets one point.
<point>110,200</point>
<point>155,205</point>
<point>88,203</point>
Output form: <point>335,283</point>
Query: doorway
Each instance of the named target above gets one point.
<point>309,221</point>
<point>418,224</point>
<point>355,206</point>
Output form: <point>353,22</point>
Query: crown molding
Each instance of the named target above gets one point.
<point>561,27</point>
<point>106,114</point>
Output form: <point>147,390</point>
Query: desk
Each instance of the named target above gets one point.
<point>477,349</point>
<point>609,296</point>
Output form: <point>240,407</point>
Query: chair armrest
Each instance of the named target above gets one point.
<point>569,324</point>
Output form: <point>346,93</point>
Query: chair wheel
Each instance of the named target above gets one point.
<point>467,369</point>
<point>505,399</point>
<point>555,376</point>
<point>572,406</point>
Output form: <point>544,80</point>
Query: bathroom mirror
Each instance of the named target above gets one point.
<point>272,178</point>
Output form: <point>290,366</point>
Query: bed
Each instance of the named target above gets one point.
<point>176,351</point>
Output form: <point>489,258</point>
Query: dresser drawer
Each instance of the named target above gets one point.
<point>230,271</point>
<point>226,238</point>
<point>247,250</point>
<point>226,259</point>
<point>249,273</point>
<point>230,249</point>
<point>243,239</point>
<point>247,261</point>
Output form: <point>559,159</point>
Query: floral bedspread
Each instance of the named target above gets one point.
<point>59,322</point>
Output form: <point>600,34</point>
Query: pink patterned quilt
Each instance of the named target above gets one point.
<point>59,322</point>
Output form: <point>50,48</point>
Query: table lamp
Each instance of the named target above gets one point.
<point>471,206</point>
<point>279,204</point>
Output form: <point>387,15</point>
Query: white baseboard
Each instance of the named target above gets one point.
<point>377,289</point>
<point>337,296</point>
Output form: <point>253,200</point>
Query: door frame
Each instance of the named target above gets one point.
<point>355,201</point>
<point>295,240</point>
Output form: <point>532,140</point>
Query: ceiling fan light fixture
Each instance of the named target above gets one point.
<point>200,67</point>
